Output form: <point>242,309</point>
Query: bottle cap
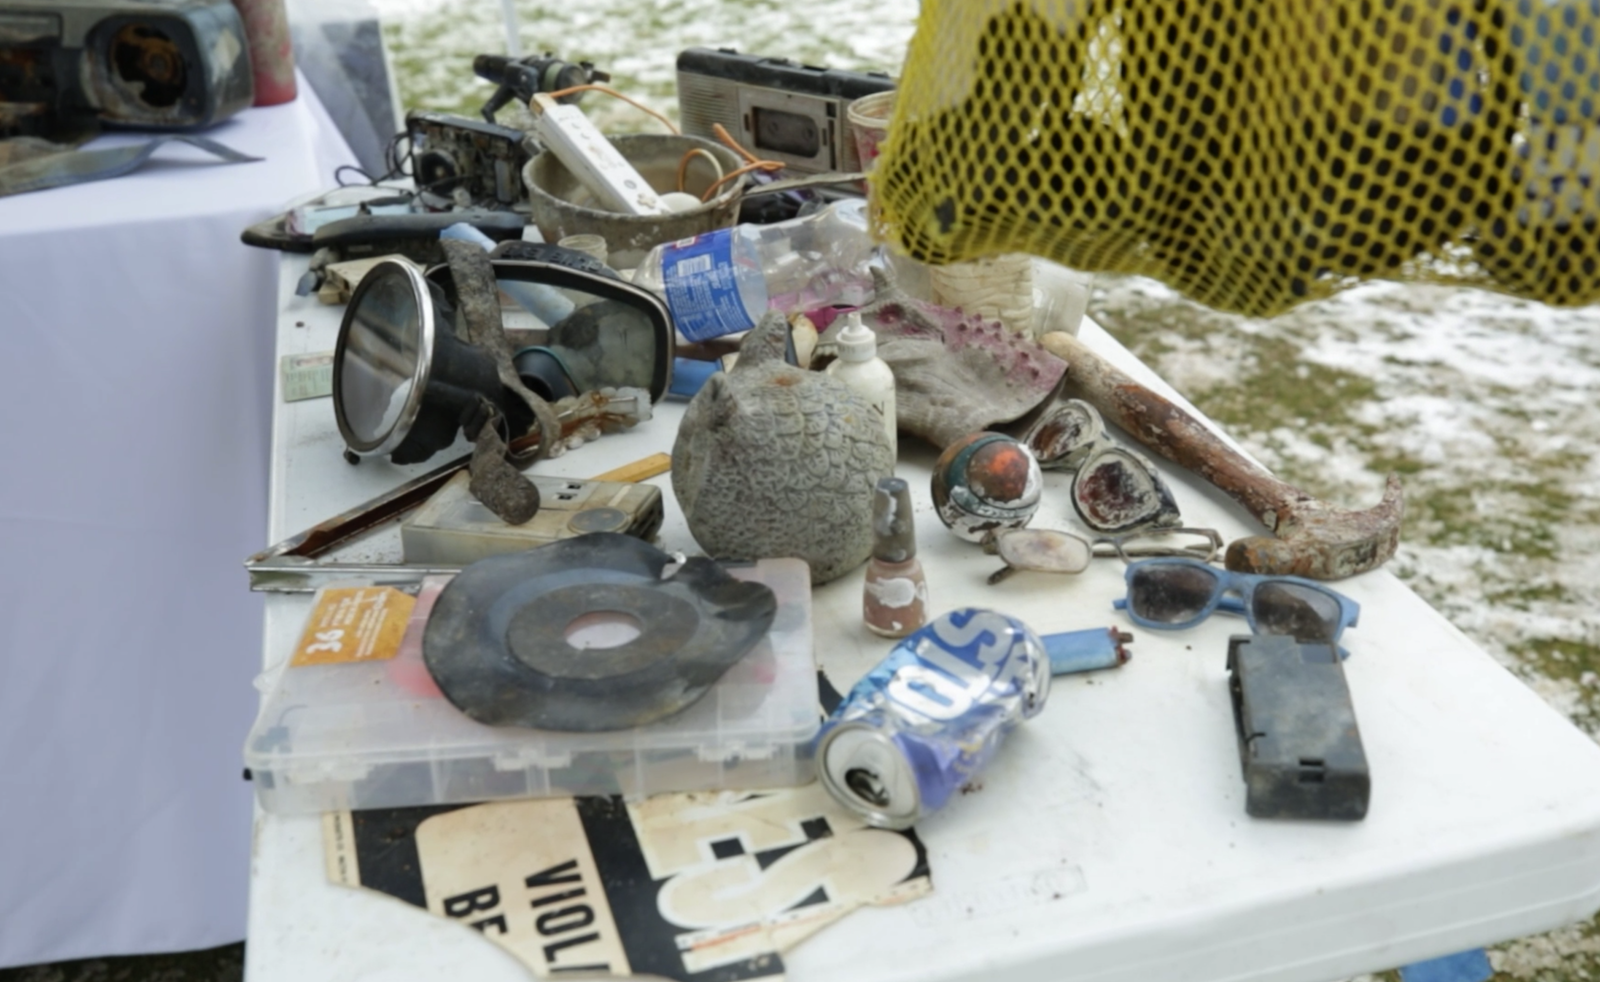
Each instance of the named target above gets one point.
<point>894,529</point>
<point>857,342</point>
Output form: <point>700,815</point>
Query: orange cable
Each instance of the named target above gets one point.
<point>608,90</point>
<point>747,168</point>
<point>753,162</point>
<point>731,143</point>
<point>683,165</point>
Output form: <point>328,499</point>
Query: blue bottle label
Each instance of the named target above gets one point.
<point>701,290</point>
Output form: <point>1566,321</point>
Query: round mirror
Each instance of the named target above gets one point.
<point>382,358</point>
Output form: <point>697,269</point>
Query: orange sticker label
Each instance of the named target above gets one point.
<point>354,624</point>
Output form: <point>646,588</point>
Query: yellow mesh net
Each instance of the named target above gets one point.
<point>1256,153</point>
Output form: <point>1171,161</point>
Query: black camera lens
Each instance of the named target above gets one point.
<point>438,171</point>
<point>148,65</point>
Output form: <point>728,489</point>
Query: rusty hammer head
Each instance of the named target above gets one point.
<point>1321,542</point>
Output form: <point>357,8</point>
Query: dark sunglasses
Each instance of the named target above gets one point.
<point>1172,594</point>
<point>1113,488</point>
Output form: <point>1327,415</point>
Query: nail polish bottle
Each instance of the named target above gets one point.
<point>895,601</point>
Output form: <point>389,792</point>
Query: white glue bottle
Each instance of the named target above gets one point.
<point>859,367</point>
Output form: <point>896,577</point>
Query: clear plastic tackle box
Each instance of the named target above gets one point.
<point>380,734</point>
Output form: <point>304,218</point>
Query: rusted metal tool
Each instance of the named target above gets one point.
<point>1313,539</point>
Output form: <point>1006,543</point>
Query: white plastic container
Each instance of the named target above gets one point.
<point>379,734</point>
<point>859,367</point>
<point>998,288</point>
<point>453,528</point>
<point>1060,298</point>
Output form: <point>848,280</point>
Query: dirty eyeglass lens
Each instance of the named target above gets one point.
<point>380,357</point>
<point>1171,594</point>
<point>1044,549</point>
<point>1196,543</point>
<point>1310,616</point>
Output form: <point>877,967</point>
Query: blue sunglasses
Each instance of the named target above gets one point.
<point>1172,594</point>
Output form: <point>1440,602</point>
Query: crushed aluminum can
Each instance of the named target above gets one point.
<point>927,718</point>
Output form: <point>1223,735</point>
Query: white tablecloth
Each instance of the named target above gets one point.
<point>135,390</point>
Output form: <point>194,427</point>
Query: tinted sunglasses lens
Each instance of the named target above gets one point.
<point>1310,616</point>
<point>1168,593</point>
<point>1116,491</point>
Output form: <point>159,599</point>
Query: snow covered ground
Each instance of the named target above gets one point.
<point>1485,405</point>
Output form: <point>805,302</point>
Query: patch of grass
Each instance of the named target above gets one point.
<point>224,964</point>
<point>1398,463</point>
<point>1284,389</point>
<point>1275,386</point>
<point>1523,519</point>
<point>1526,597</point>
<point>1567,954</point>
<point>1561,657</point>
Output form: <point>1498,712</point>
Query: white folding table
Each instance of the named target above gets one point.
<point>1108,841</point>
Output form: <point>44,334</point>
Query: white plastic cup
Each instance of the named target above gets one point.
<point>869,122</point>
<point>588,244</point>
<point>1060,298</point>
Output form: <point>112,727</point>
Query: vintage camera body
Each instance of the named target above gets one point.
<point>485,159</point>
<point>777,108</point>
<point>69,65</point>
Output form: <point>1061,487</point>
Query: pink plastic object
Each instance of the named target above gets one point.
<point>408,670</point>
<point>266,25</point>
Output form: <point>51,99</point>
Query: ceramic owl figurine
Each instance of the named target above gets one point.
<point>772,460</point>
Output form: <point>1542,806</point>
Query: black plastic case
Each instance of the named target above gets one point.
<point>1298,739</point>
